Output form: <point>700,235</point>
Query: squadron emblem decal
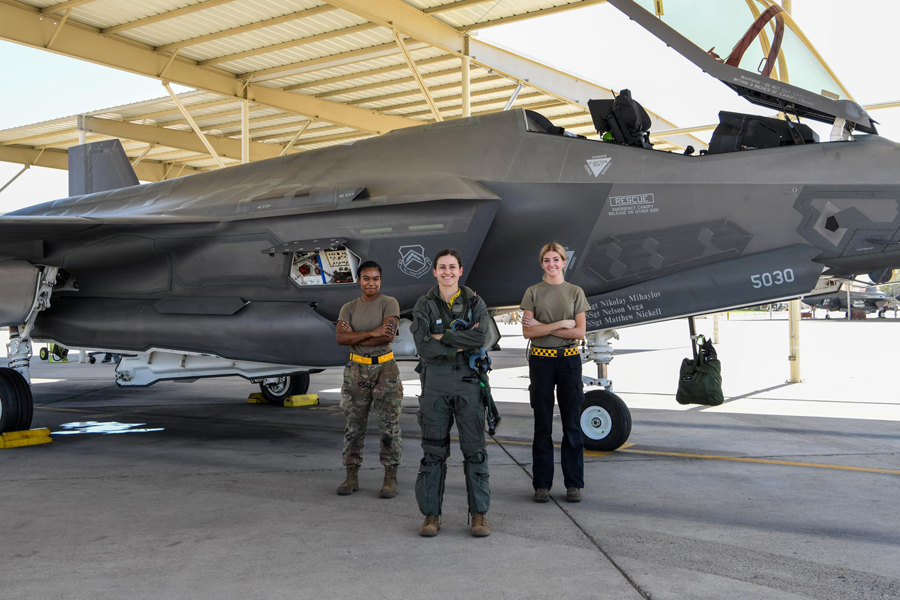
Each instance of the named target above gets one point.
<point>598,165</point>
<point>413,261</point>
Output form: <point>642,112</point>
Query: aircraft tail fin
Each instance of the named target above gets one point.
<point>99,167</point>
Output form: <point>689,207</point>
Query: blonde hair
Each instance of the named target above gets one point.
<point>553,247</point>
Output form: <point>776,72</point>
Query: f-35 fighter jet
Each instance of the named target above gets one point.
<point>243,271</point>
<point>871,302</point>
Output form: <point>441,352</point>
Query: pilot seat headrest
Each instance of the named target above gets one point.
<point>624,117</point>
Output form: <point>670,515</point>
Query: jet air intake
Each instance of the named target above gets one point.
<point>881,276</point>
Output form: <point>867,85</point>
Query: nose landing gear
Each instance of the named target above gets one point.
<point>605,419</point>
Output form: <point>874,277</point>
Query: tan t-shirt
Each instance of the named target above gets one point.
<point>366,316</point>
<point>552,303</point>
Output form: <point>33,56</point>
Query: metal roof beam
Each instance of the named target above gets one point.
<point>438,88</point>
<point>148,170</point>
<point>173,138</point>
<point>195,127</point>
<point>165,16</point>
<point>284,128</point>
<point>224,113</point>
<point>417,76</point>
<point>388,83</point>
<point>409,21</point>
<point>329,138</point>
<point>175,111</point>
<point>413,92</point>
<point>332,60</point>
<point>278,136</point>
<point>294,16</point>
<point>530,15</point>
<point>363,74</point>
<point>291,44</point>
<point>62,6</point>
<point>25,27</point>
<point>454,6</point>
<point>455,106</point>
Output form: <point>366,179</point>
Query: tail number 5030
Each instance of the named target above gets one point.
<point>773,278</point>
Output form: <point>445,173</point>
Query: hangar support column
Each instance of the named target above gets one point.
<point>794,329</point>
<point>245,131</point>
<point>466,94</point>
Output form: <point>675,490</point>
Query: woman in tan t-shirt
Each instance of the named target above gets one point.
<point>554,321</point>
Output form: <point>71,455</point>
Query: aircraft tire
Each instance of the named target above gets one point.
<point>605,421</point>
<point>288,385</point>
<point>26,400</point>
<point>16,403</point>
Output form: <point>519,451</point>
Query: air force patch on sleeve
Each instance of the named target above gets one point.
<point>413,261</point>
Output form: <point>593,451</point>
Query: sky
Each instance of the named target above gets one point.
<point>597,43</point>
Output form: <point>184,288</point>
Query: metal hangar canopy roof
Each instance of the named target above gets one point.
<point>314,73</point>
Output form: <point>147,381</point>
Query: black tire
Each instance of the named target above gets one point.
<point>605,421</point>
<point>9,405</point>
<point>44,354</point>
<point>92,359</point>
<point>288,385</point>
<point>26,401</point>
<point>16,405</point>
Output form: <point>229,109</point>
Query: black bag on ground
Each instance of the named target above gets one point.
<point>700,378</point>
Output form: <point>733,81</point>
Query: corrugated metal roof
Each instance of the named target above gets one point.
<point>306,47</point>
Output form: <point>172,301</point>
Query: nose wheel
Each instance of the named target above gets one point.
<point>605,421</point>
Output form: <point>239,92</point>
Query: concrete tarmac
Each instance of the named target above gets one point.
<point>786,491</point>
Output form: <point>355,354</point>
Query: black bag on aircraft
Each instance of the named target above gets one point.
<point>700,378</point>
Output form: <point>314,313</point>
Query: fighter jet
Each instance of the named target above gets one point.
<point>243,271</point>
<point>870,301</point>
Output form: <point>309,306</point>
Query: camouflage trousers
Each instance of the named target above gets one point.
<point>369,387</point>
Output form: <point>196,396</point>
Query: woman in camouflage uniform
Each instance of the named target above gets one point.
<point>371,378</point>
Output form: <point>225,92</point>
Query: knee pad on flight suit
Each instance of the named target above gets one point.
<point>478,485</point>
<point>471,434</point>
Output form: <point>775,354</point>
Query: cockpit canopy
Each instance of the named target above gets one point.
<point>754,47</point>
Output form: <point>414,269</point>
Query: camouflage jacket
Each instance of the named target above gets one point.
<point>428,319</point>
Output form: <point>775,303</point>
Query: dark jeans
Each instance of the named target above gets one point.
<point>564,374</point>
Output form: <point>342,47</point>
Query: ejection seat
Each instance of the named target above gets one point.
<point>737,131</point>
<point>624,117</point>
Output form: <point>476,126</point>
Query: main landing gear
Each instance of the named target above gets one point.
<point>605,419</point>
<point>279,389</point>
<point>16,402</point>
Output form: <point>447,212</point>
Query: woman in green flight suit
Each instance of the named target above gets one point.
<point>449,321</point>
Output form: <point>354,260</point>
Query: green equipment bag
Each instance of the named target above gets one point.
<point>700,378</point>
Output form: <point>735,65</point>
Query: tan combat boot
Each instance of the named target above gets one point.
<point>479,525</point>
<point>431,526</point>
<point>351,484</point>
<point>389,487</point>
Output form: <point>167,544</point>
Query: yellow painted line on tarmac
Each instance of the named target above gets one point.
<point>764,461</point>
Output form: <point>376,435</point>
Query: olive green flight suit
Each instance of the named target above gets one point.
<point>445,395</point>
